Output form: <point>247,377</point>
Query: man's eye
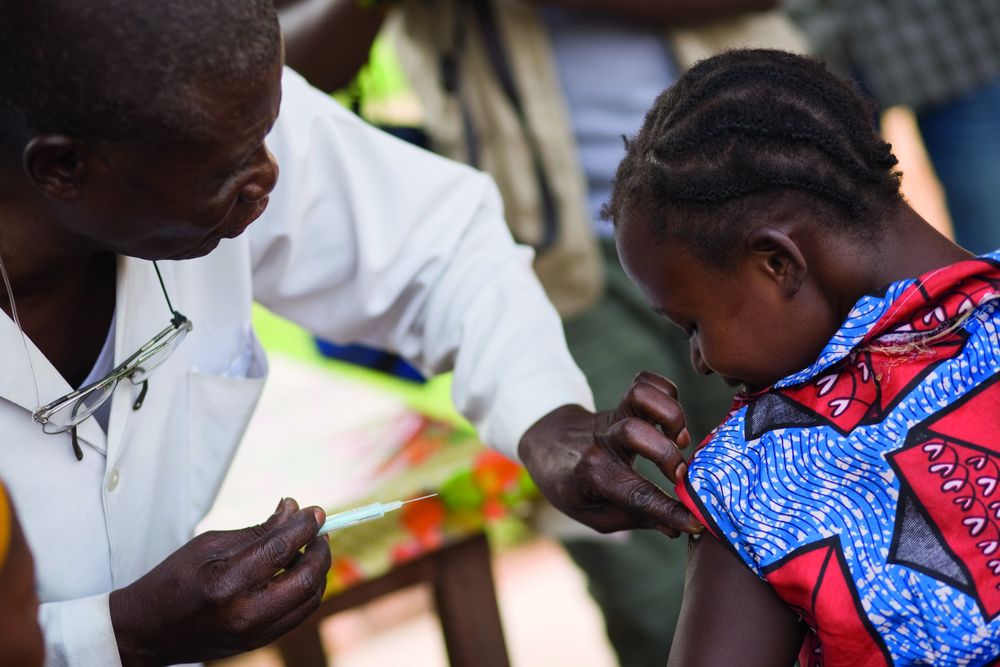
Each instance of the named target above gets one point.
<point>249,159</point>
<point>240,168</point>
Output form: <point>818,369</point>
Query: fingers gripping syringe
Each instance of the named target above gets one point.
<point>363,513</point>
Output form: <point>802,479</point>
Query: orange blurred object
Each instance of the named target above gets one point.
<point>494,473</point>
<point>345,572</point>
<point>494,509</point>
<point>423,517</point>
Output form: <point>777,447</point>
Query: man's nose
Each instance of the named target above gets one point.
<point>697,360</point>
<point>263,178</point>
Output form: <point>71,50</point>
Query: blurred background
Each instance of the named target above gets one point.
<point>539,93</point>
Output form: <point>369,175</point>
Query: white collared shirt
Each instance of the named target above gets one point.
<point>365,239</point>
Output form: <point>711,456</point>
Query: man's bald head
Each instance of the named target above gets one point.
<point>123,70</point>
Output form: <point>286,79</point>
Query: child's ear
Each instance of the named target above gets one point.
<point>778,257</point>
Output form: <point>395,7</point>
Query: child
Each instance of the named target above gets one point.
<point>852,496</point>
<point>20,636</point>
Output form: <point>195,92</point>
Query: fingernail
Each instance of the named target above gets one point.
<point>683,438</point>
<point>319,514</point>
<point>281,504</point>
<point>695,528</point>
<point>682,468</point>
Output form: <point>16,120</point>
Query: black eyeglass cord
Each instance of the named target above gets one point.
<point>177,317</point>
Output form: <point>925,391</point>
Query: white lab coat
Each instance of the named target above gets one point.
<point>365,239</point>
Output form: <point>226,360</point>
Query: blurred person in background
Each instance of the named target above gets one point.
<point>20,636</point>
<point>539,95</point>
<point>941,58</point>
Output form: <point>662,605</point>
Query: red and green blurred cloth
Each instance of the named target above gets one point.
<point>339,436</point>
<point>477,489</point>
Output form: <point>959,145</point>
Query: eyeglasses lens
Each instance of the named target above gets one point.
<point>148,362</point>
<point>76,412</point>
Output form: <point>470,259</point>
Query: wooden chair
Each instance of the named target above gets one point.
<point>464,596</point>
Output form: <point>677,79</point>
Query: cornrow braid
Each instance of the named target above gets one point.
<point>742,129</point>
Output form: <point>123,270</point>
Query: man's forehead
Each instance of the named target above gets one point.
<point>241,110</point>
<point>234,99</point>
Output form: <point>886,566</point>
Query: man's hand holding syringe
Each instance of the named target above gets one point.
<point>241,589</point>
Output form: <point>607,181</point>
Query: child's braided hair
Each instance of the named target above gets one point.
<point>743,128</point>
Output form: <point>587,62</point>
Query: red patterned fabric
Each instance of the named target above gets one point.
<point>865,489</point>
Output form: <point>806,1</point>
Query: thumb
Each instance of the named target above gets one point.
<point>286,508</point>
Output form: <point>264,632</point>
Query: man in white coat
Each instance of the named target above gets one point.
<point>135,132</point>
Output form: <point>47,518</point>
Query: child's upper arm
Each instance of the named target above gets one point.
<point>730,616</point>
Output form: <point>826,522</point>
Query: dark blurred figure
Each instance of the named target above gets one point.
<point>21,642</point>
<point>942,59</point>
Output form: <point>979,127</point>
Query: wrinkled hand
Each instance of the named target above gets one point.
<point>582,462</point>
<point>225,592</point>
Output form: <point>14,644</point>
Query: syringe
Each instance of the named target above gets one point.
<point>363,513</point>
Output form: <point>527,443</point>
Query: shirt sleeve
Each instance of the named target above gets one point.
<point>719,485</point>
<point>368,239</point>
<point>79,632</point>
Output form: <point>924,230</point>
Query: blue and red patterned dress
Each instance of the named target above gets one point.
<point>865,489</point>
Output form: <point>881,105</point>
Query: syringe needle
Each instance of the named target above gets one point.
<point>413,500</point>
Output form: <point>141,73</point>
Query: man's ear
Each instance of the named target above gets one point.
<point>56,164</point>
<point>778,257</point>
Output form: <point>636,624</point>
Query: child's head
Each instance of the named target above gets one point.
<point>20,635</point>
<point>749,183</point>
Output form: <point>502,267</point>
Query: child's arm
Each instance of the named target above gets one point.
<point>729,616</point>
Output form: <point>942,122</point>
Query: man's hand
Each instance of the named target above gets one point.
<point>225,592</point>
<point>582,462</point>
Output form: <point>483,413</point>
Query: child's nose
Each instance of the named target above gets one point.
<point>697,360</point>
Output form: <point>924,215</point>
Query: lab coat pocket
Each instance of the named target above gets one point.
<point>220,407</point>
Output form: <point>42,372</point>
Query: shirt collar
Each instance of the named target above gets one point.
<point>896,306</point>
<point>24,365</point>
<point>137,318</point>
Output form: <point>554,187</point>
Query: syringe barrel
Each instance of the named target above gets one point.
<point>352,516</point>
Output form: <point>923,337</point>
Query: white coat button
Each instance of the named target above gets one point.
<point>113,479</point>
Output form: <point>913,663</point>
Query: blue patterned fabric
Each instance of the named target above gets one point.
<point>862,487</point>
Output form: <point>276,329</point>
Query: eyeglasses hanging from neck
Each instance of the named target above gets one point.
<point>67,412</point>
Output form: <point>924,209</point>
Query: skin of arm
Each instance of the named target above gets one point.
<point>729,616</point>
<point>328,41</point>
